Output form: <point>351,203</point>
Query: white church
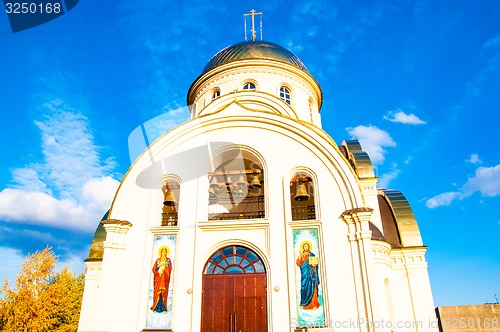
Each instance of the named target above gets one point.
<point>249,217</point>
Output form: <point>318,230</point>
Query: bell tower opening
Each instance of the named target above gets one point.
<point>237,187</point>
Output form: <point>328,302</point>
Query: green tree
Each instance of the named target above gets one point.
<point>42,299</point>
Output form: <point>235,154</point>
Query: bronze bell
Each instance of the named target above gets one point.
<point>241,181</point>
<point>212,197</point>
<point>255,184</point>
<point>213,182</point>
<point>239,192</point>
<point>302,194</point>
<point>169,198</point>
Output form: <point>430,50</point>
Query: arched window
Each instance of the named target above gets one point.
<point>249,86</point>
<point>285,94</point>
<point>237,186</point>
<point>234,260</point>
<point>171,191</point>
<point>302,197</point>
<point>216,93</point>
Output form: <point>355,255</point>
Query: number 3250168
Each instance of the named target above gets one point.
<point>32,8</point>
<point>470,323</point>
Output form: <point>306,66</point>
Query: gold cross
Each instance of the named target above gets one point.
<point>253,13</point>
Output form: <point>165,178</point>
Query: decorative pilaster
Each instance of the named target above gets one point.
<point>358,223</point>
<point>382,295</point>
<point>112,266</point>
<point>91,294</point>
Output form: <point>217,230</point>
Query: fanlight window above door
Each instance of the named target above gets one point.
<point>234,260</point>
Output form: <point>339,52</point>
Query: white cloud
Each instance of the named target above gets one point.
<point>144,135</point>
<point>492,43</point>
<point>98,192</point>
<point>70,187</point>
<point>474,159</point>
<point>70,155</point>
<point>486,181</point>
<point>74,262</point>
<point>164,122</point>
<point>442,199</point>
<point>385,179</point>
<point>373,140</point>
<point>402,117</point>
<point>41,236</point>
<point>294,47</point>
<point>487,76</point>
<point>18,205</point>
<point>28,178</point>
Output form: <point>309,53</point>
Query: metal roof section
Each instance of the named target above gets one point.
<point>359,159</point>
<point>376,233</point>
<point>251,50</point>
<point>352,145</point>
<point>96,251</point>
<point>402,216</point>
<point>389,226</point>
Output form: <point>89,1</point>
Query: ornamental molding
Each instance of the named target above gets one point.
<point>116,222</point>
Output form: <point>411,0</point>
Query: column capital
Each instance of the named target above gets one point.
<point>116,231</point>
<point>116,226</point>
<point>116,222</point>
<point>359,214</point>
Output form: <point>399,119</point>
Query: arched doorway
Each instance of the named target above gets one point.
<point>234,292</point>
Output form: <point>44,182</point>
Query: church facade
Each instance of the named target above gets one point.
<point>249,217</point>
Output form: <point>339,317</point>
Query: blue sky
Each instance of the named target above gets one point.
<point>417,82</point>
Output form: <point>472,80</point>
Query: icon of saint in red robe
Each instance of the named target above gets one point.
<point>161,271</point>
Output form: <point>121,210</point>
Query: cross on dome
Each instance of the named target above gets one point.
<point>253,31</point>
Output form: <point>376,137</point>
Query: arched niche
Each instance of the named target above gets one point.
<point>236,186</point>
<point>302,196</point>
<point>170,207</point>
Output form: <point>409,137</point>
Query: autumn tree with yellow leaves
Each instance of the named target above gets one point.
<point>42,299</point>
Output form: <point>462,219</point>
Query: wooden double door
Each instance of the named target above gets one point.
<point>234,303</point>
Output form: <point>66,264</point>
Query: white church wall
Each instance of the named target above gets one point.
<point>275,189</point>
